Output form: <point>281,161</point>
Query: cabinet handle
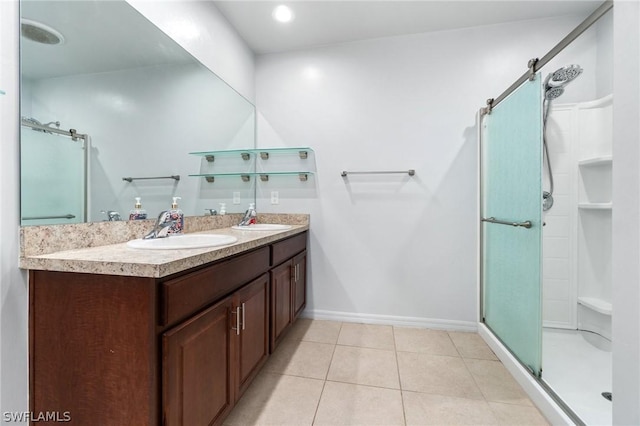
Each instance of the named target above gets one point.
<point>243,316</point>
<point>295,272</point>
<point>237,314</point>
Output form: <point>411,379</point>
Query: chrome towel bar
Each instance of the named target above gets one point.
<point>527,224</point>
<point>410,172</point>
<point>66,216</point>
<point>130,179</point>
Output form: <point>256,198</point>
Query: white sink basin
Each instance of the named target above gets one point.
<point>186,241</point>
<point>263,227</point>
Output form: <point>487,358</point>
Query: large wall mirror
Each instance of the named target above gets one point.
<point>144,105</point>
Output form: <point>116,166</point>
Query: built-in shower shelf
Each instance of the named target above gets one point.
<point>595,206</point>
<point>597,161</point>
<point>598,305</point>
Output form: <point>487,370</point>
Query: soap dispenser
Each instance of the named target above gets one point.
<point>137,212</point>
<point>176,215</point>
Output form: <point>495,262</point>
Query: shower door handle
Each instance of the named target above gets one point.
<point>527,224</point>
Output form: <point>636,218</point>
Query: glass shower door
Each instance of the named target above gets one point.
<point>511,231</point>
<point>47,162</point>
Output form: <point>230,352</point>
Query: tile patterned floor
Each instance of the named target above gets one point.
<point>332,373</point>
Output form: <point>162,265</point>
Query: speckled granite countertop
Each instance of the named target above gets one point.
<point>119,259</point>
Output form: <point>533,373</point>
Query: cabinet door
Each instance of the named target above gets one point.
<point>253,335</point>
<point>299,283</point>
<point>281,312</point>
<point>196,369</point>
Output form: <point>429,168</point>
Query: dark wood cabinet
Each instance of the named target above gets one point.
<point>173,351</point>
<point>252,336</point>
<point>197,366</point>
<point>210,359</point>
<point>299,284</point>
<point>288,285</point>
<point>281,314</point>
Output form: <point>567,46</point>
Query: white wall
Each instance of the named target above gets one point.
<point>232,60</point>
<point>208,37</point>
<point>13,282</point>
<point>626,211</point>
<point>393,246</point>
<point>144,122</point>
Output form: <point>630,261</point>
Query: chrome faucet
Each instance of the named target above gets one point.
<point>161,228</point>
<point>112,215</point>
<point>249,216</point>
<point>210,212</point>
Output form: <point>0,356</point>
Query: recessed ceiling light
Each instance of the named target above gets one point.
<point>39,32</point>
<point>282,13</point>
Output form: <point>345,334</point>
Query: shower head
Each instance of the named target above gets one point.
<point>555,82</point>
<point>553,92</point>
<point>564,75</point>
<point>31,120</point>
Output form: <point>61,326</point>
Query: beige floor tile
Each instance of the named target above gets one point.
<point>364,366</point>
<point>434,342</point>
<point>315,331</point>
<point>496,383</point>
<point>349,404</point>
<point>434,374</point>
<point>304,359</point>
<point>516,415</point>
<point>275,399</point>
<point>427,409</point>
<point>471,345</point>
<point>367,336</point>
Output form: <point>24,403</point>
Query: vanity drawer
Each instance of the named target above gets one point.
<point>288,248</point>
<point>183,296</point>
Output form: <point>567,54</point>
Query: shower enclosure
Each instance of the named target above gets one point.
<point>545,234</point>
<point>53,166</point>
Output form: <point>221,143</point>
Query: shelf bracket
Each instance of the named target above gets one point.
<point>303,177</point>
<point>245,156</point>
<point>210,179</point>
<point>264,155</point>
<point>264,178</point>
<point>210,158</point>
<point>303,154</point>
<point>245,178</point>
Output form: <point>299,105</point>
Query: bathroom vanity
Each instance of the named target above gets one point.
<point>126,346</point>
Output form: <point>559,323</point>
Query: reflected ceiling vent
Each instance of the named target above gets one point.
<point>40,33</point>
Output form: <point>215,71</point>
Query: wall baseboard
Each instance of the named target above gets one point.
<point>390,320</point>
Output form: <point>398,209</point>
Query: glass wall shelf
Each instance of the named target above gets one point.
<point>263,154</point>
<point>597,161</point>
<point>302,152</point>
<point>595,206</point>
<point>246,177</point>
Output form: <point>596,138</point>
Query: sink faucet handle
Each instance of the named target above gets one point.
<point>112,215</point>
<point>210,212</point>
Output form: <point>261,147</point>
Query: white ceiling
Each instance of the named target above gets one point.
<point>319,23</point>
<point>99,36</point>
